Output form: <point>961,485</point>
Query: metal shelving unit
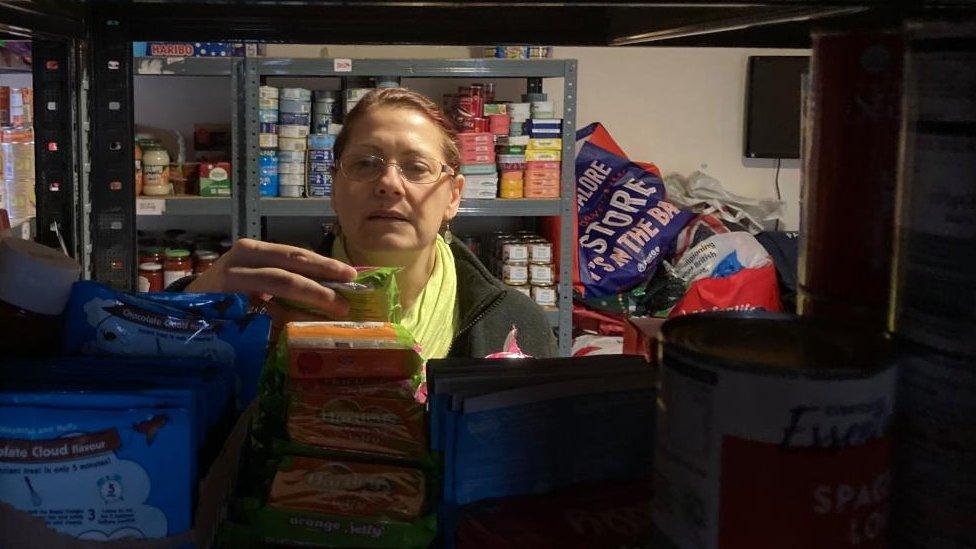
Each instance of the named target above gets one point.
<point>255,207</point>
<point>226,67</point>
<point>184,205</point>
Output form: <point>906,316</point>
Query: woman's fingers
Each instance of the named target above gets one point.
<point>258,254</point>
<point>284,284</point>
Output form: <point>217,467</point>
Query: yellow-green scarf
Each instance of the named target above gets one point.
<point>435,308</point>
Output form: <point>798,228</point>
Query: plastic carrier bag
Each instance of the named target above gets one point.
<point>626,227</point>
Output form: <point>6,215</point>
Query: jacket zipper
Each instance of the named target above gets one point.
<point>476,319</point>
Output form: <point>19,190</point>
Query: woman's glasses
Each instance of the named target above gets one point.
<point>418,170</point>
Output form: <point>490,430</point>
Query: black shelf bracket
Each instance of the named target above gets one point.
<point>112,185</point>
<point>55,162</point>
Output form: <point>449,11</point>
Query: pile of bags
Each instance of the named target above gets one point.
<point>649,246</point>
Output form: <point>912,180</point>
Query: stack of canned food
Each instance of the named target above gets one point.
<point>268,139</point>
<point>294,121</point>
<point>524,262</point>
<point>167,257</point>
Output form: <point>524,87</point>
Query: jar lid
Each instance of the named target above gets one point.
<point>154,250</point>
<point>207,256</point>
<point>150,267</point>
<point>177,253</point>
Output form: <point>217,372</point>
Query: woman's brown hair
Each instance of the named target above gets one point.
<point>403,98</point>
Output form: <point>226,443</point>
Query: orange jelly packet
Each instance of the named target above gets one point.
<point>348,489</point>
<point>358,425</point>
<point>319,350</point>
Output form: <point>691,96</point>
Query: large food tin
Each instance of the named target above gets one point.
<point>773,431</point>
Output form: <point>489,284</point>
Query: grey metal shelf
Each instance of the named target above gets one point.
<point>253,208</point>
<point>318,207</point>
<point>184,66</point>
<point>414,68</point>
<point>183,205</point>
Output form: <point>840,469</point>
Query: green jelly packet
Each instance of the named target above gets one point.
<point>301,527</point>
<point>372,297</point>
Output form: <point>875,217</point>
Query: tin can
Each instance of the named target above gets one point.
<point>480,124</point>
<point>268,103</point>
<point>511,187</point>
<point>294,107</point>
<point>851,169</point>
<point>294,119</point>
<point>293,131</point>
<point>291,167</point>
<point>545,296</point>
<point>291,156</point>
<point>291,191</point>
<point>764,415</point>
<point>936,496</point>
<point>267,92</point>
<point>540,251</point>
<point>296,94</point>
<point>515,273</point>
<point>935,241</point>
<point>268,184</point>
<point>267,140</point>
<point>291,179</point>
<point>935,288</point>
<point>542,274</point>
<point>292,144</point>
<point>515,251</point>
<point>268,116</point>
<point>268,127</point>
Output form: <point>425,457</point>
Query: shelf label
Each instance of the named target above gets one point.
<point>342,65</point>
<point>150,206</point>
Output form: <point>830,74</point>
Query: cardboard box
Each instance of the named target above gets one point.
<point>542,156</point>
<point>20,529</point>
<point>215,179</point>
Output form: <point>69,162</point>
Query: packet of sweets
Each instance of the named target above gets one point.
<point>355,425</point>
<point>99,474</point>
<point>334,487</point>
<point>100,321</point>
<point>372,297</point>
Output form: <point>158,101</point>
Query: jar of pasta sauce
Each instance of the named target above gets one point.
<point>204,261</point>
<point>151,277</point>
<point>176,266</point>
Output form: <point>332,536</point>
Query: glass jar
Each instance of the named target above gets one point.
<point>151,277</point>
<point>137,150</point>
<point>205,260</point>
<point>176,266</point>
<point>155,172</point>
<point>152,255</point>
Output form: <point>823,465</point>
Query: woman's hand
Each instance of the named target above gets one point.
<point>266,269</point>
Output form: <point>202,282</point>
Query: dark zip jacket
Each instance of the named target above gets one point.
<point>487,310</point>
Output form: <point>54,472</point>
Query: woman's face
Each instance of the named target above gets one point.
<point>390,214</point>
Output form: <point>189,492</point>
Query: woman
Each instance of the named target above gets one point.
<point>396,184</point>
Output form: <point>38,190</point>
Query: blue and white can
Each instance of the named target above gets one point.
<point>295,107</point>
<point>293,119</point>
<point>269,127</point>
<point>321,141</point>
<point>319,185</point>
<point>291,156</point>
<point>268,116</point>
<point>269,185</point>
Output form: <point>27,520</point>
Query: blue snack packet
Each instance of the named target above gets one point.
<point>100,321</point>
<point>99,474</point>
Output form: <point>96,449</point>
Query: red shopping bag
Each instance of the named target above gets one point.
<point>746,290</point>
